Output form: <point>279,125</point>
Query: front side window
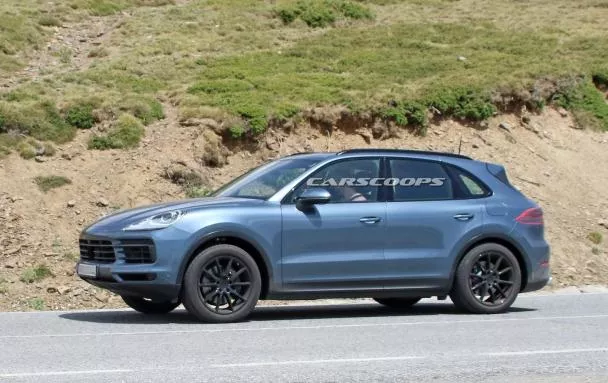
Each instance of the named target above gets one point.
<point>266,180</point>
<point>419,180</point>
<point>346,181</point>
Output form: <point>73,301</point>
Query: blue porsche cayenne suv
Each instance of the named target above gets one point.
<point>394,225</point>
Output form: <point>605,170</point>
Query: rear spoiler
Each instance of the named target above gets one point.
<point>499,172</point>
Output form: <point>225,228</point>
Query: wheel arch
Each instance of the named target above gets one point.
<point>236,239</point>
<point>500,240</point>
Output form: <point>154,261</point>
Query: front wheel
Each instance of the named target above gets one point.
<point>487,280</point>
<point>146,306</point>
<point>222,284</point>
<point>398,303</point>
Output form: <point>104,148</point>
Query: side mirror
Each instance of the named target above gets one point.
<point>312,196</point>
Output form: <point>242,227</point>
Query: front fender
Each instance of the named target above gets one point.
<point>264,246</point>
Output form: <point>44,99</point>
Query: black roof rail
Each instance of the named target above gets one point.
<point>404,151</point>
<point>298,153</point>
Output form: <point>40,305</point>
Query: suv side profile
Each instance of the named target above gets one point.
<point>394,225</point>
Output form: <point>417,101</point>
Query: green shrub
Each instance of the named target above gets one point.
<point>49,149</point>
<point>80,116</point>
<point>463,103</point>
<point>8,142</point>
<point>220,86</point>
<point>586,102</point>
<point>286,111</point>
<point>354,11</point>
<point>237,131</point>
<point>321,13</point>
<point>407,113</point>
<point>395,114</point>
<point>197,192</point>
<point>36,304</point>
<point>26,151</point>
<point>146,109</point>
<point>126,134</point>
<point>30,148</point>
<point>39,119</point>
<point>46,183</point>
<point>255,116</point>
<point>35,274</point>
<point>98,52</point>
<point>600,79</point>
<point>318,16</point>
<point>49,21</point>
<point>595,237</point>
<point>288,15</point>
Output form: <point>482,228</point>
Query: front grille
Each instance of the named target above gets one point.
<point>97,251</point>
<point>138,250</point>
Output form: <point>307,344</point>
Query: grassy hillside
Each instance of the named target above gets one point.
<point>251,62</point>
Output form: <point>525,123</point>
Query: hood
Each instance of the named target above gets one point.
<point>123,218</point>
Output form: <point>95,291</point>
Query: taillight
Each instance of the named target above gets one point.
<point>532,216</point>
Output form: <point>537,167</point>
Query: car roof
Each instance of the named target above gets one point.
<point>383,152</point>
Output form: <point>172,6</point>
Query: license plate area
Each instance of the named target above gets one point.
<point>85,270</point>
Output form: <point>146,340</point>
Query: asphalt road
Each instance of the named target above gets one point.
<point>556,338</point>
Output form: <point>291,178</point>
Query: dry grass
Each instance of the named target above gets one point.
<point>239,59</point>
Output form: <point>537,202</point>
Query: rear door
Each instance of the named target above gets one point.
<point>428,215</point>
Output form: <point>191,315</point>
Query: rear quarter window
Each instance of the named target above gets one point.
<point>466,185</point>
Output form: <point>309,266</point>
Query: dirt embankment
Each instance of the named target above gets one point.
<point>547,157</point>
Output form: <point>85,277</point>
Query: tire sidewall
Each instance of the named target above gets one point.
<point>462,290</point>
<point>192,297</point>
<point>398,303</point>
<point>149,307</point>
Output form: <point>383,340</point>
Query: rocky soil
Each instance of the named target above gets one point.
<point>547,157</point>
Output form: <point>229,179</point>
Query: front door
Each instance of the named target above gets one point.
<point>337,245</point>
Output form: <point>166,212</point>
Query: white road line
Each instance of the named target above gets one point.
<point>62,373</point>
<point>299,362</point>
<point>542,352</point>
<point>317,327</point>
<point>317,361</point>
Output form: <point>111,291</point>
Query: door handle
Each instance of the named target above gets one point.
<point>370,220</point>
<point>464,217</point>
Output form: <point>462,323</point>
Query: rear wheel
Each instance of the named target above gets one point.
<point>222,284</point>
<point>487,280</point>
<point>147,306</point>
<point>398,303</point>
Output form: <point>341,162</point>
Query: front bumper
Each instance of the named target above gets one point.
<point>155,276</point>
<point>110,280</point>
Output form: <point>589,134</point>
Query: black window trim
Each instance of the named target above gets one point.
<point>382,192</point>
<point>448,168</point>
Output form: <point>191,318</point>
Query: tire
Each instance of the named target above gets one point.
<point>222,284</point>
<point>398,303</point>
<point>488,279</point>
<point>145,306</point>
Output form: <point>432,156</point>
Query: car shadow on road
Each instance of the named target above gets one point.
<point>278,313</point>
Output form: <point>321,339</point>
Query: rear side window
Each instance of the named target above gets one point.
<point>420,180</point>
<point>467,186</point>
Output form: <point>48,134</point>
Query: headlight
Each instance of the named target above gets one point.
<point>159,221</point>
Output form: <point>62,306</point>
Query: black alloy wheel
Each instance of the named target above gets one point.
<point>488,280</point>
<point>222,284</point>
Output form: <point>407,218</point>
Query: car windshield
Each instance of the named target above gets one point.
<point>264,181</point>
